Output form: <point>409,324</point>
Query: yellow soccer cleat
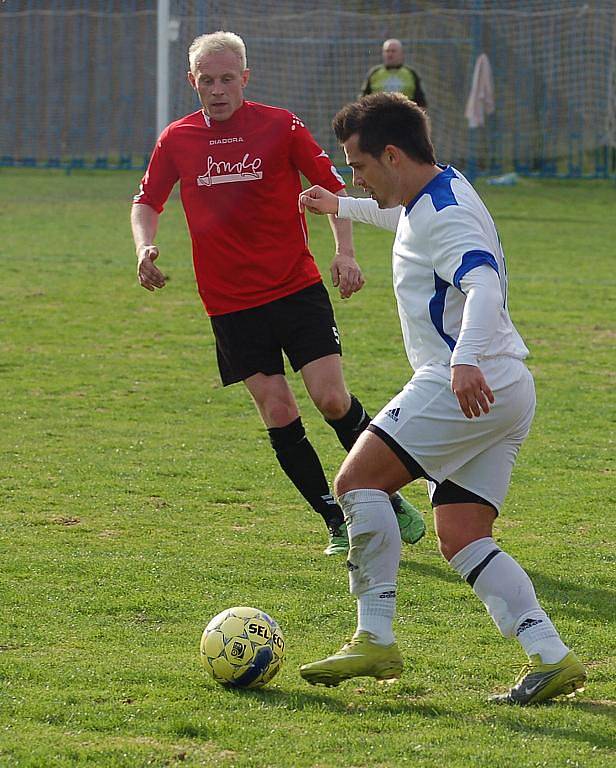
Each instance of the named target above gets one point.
<point>360,657</point>
<point>539,682</point>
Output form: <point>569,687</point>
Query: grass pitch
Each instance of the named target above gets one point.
<point>139,498</point>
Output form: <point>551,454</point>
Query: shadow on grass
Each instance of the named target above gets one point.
<point>441,571</point>
<point>565,595</point>
<point>596,736</point>
<point>607,708</point>
<point>405,701</point>
<point>568,596</point>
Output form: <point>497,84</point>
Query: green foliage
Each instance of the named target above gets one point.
<point>138,499</point>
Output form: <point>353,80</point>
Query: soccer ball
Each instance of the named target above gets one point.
<point>242,648</point>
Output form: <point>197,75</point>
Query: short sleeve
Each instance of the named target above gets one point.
<point>311,160</point>
<point>159,178</point>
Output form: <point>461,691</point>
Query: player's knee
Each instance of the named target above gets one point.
<point>341,485</point>
<point>332,403</point>
<point>345,481</point>
<point>279,412</point>
<point>281,416</point>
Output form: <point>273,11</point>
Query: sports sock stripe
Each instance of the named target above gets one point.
<point>473,575</point>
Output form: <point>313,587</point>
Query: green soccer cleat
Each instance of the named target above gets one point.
<point>410,520</point>
<point>539,682</point>
<point>338,541</point>
<point>360,657</point>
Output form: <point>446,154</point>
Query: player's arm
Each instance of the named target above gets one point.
<point>364,209</point>
<point>148,204</point>
<point>345,271</point>
<point>463,259</point>
<point>366,87</point>
<point>144,223</point>
<point>313,162</point>
<point>479,319</point>
<point>420,96</point>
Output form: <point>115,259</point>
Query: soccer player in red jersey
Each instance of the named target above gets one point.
<point>238,164</point>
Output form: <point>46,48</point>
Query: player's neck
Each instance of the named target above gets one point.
<point>416,178</point>
<point>223,123</point>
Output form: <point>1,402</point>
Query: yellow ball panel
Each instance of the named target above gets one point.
<point>212,643</point>
<point>232,627</point>
<point>223,670</point>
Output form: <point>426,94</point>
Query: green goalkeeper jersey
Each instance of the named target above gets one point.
<point>400,79</point>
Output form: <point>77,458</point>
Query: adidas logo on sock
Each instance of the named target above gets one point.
<point>391,593</point>
<point>527,624</point>
<point>394,414</point>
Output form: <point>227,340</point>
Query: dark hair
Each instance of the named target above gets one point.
<point>386,118</point>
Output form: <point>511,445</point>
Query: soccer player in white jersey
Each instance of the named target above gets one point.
<point>460,420</point>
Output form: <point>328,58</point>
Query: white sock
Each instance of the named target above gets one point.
<point>373,560</point>
<point>375,613</point>
<point>536,634</point>
<point>509,597</point>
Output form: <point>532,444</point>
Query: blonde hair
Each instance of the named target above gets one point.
<point>216,42</point>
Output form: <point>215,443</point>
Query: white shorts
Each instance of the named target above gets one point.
<point>426,422</point>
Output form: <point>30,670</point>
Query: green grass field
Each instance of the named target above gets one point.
<point>138,499</point>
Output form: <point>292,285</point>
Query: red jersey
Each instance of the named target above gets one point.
<point>239,184</point>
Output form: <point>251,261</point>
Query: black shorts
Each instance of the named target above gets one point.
<point>251,341</point>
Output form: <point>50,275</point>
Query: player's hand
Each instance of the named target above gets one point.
<point>149,275</point>
<point>318,200</point>
<point>471,389</point>
<point>346,274</point>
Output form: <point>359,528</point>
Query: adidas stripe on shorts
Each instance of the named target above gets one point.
<point>478,454</point>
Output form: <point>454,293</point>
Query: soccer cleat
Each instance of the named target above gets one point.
<point>360,657</point>
<point>539,682</point>
<point>410,520</point>
<point>338,541</point>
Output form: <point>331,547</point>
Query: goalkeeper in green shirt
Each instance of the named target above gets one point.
<point>393,75</point>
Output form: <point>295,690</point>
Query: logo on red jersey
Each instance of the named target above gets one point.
<point>227,172</point>
<point>230,140</point>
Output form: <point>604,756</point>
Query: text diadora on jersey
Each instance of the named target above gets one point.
<point>226,172</point>
<point>231,140</point>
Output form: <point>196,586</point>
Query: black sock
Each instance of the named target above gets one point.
<point>351,425</point>
<point>301,464</point>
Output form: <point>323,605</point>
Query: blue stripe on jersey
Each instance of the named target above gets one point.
<point>439,189</point>
<point>437,309</point>
<point>470,260</point>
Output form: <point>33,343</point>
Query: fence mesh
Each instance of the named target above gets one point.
<point>78,77</point>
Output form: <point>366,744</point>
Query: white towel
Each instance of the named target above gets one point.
<point>481,98</point>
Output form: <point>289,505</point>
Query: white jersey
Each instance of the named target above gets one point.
<point>449,274</point>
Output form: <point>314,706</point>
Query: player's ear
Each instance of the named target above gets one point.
<point>245,77</point>
<point>191,80</point>
<point>392,154</point>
